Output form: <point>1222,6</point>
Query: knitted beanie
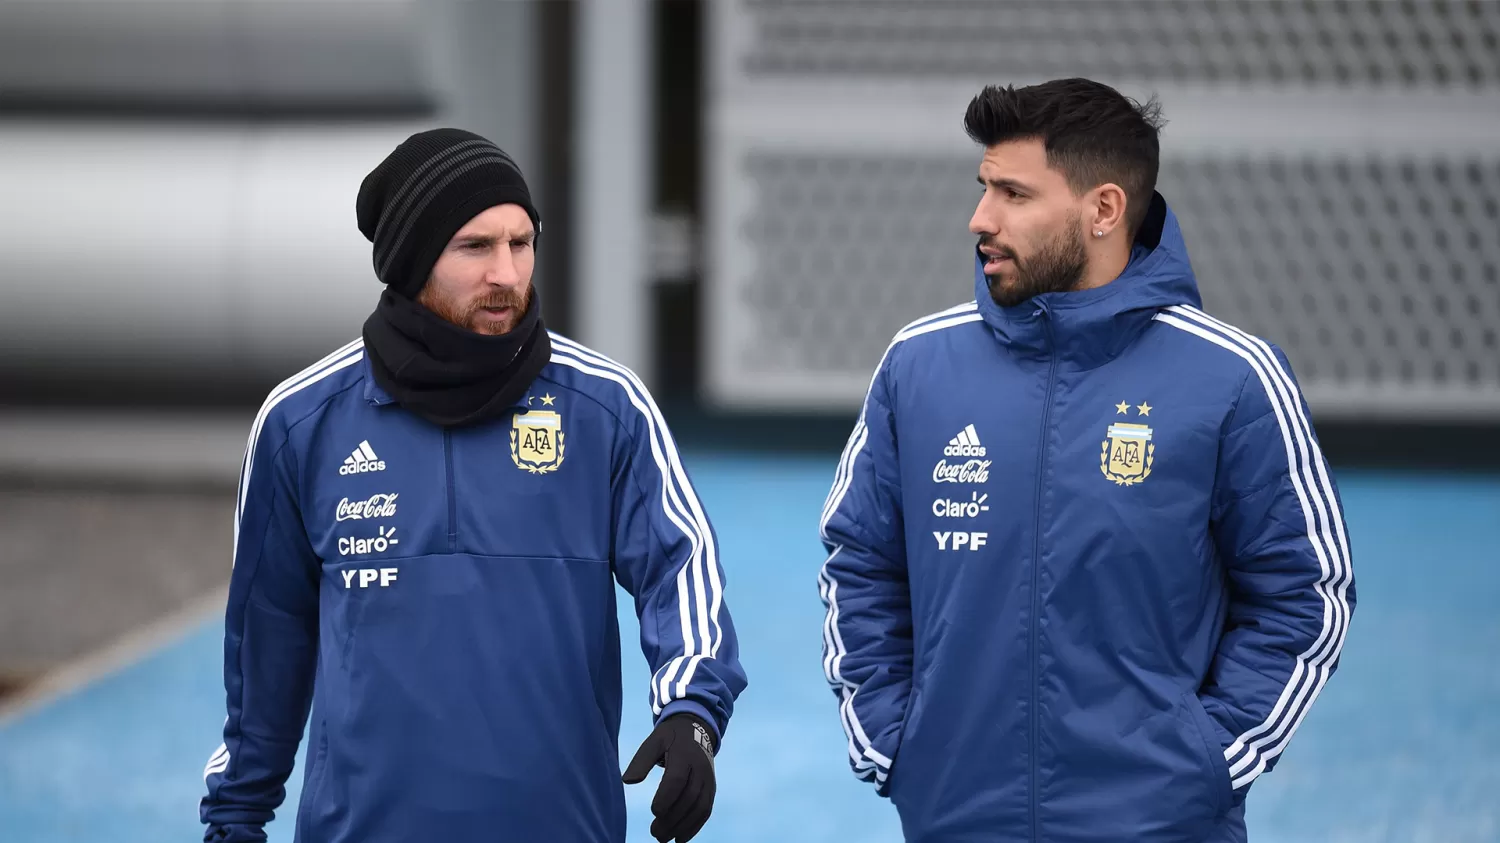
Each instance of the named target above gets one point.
<point>428,188</point>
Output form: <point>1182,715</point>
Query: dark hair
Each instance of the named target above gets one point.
<point>1092,133</point>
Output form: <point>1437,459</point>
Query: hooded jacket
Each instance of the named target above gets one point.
<point>1087,566</point>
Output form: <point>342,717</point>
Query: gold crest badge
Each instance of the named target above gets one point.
<point>1128,454</point>
<point>536,440</point>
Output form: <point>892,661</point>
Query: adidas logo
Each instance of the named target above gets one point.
<point>362,460</point>
<point>965,444</point>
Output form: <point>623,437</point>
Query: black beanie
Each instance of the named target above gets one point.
<point>413,203</point>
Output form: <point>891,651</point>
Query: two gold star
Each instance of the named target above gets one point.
<point>546,400</point>
<point>1143,409</point>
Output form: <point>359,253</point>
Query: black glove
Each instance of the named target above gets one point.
<point>684,745</point>
<point>231,833</point>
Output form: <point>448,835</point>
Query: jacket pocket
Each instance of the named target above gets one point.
<point>909,720</point>
<point>1216,767</point>
<point>317,771</point>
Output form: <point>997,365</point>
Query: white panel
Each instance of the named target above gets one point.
<point>302,278</point>
<point>198,247</point>
<point>115,239</point>
<point>612,181</point>
<point>223,54</point>
<point>1340,203</point>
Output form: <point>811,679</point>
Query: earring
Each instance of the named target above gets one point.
<point>1098,234</point>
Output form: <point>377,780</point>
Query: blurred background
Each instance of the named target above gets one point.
<point>743,200</point>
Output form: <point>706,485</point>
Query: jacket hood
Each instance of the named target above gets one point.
<point>1090,327</point>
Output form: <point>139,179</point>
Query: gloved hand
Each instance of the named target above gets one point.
<point>684,745</point>
<point>234,834</point>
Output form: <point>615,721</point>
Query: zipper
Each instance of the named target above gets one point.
<point>452,503</point>
<point>1036,565</point>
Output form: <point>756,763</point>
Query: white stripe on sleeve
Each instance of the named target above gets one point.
<point>1252,750</point>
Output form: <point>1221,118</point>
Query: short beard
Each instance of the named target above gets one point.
<point>462,313</point>
<point>1057,267</point>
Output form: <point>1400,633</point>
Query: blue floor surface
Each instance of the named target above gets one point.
<point>1403,746</point>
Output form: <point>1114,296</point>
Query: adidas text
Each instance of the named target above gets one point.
<point>362,460</point>
<point>361,467</point>
<point>965,444</point>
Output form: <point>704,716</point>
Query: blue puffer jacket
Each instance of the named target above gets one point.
<point>1088,568</point>
<point>444,599</point>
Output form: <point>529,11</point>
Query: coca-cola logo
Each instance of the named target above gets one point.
<point>378,506</point>
<point>972,471</point>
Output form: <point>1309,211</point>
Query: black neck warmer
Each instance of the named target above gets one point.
<point>450,375</point>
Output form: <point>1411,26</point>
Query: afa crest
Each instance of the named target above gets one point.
<point>536,440</point>
<point>1128,454</point>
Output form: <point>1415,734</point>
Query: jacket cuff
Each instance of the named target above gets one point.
<point>234,833</point>
<point>697,710</point>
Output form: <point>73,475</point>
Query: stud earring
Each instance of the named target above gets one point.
<point>1098,234</point>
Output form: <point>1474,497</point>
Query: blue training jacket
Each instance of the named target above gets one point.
<point>445,602</point>
<point>1088,568</point>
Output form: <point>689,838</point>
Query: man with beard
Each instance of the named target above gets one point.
<point>1087,566</point>
<point>429,528</point>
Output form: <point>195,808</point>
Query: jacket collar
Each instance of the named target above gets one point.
<point>1088,328</point>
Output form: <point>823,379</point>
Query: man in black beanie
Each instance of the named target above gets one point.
<point>458,332</point>
<point>429,528</point>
